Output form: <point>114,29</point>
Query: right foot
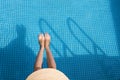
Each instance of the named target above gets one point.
<point>47,40</point>
<point>41,40</point>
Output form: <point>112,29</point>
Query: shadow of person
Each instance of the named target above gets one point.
<point>17,58</point>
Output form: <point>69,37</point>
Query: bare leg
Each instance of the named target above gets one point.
<point>50,59</point>
<point>39,59</point>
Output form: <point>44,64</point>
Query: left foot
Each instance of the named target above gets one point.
<point>41,40</point>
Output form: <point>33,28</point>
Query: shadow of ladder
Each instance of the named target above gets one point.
<point>65,47</point>
<point>95,47</point>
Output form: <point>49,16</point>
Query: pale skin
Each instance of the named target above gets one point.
<point>44,40</point>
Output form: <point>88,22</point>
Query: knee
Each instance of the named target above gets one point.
<point>53,66</point>
<point>36,68</point>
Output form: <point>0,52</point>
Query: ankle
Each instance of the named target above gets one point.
<point>47,47</point>
<point>42,47</point>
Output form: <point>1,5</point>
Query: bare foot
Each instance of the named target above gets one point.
<point>47,40</point>
<point>41,40</point>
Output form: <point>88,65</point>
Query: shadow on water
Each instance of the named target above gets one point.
<point>115,9</point>
<point>16,58</point>
<point>101,60</point>
<point>95,46</point>
<point>50,27</point>
<point>85,67</point>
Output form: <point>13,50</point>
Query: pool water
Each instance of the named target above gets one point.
<point>85,38</point>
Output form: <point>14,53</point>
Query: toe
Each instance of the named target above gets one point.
<point>41,36</point>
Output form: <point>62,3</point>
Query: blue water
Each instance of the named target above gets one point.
<point>85,39</point>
